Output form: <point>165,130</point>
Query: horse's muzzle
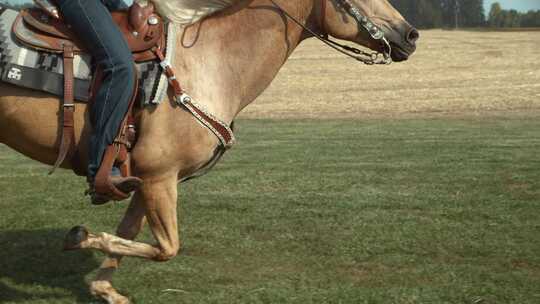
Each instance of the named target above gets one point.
<point>404,45</point>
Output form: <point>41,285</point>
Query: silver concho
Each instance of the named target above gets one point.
<point>153,20</point>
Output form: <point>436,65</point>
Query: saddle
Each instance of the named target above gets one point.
<point>43,29</point>
<point>142,28</point>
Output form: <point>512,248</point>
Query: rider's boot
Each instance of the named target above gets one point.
<point>109,184</point>
<point>123,184</point>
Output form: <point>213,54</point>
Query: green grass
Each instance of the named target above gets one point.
<point>405,211</point>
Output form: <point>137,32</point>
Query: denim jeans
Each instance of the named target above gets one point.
<point>92,23</point>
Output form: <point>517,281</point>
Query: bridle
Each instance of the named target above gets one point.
<point>375,32</point>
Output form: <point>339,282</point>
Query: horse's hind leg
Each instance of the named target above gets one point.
<point>129,228</point>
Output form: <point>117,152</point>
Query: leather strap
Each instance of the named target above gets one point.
<point>127,137</point>
<point>67,138</point>
<point>169,72</point>
<point>222,131</point>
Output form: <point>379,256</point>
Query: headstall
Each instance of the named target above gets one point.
<point>375,32</point>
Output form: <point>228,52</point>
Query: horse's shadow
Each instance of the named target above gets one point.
<point>33,259</point>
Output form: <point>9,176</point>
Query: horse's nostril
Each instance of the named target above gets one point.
<point>413,36</point>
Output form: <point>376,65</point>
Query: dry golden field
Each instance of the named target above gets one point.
<point>452,73</point>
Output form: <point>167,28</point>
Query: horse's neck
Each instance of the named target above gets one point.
<point>228,60</point>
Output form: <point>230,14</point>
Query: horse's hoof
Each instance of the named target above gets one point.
<point>75,237</point>
<point>105,291</point>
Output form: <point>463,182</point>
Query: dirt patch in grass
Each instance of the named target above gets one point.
<point>453,73</point>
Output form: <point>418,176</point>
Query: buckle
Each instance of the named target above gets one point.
<point>68,50</point>
<point>183,99</point>
<point>165,64</point>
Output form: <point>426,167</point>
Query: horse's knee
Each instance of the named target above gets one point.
<point>166,254</point>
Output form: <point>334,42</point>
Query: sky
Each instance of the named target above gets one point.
<point>520,5</point>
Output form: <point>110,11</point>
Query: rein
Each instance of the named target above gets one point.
<point>375,32</point>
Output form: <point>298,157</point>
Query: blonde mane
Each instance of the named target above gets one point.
<point>186,12</point>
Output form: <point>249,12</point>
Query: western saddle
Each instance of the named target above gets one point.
<point>43,29</point>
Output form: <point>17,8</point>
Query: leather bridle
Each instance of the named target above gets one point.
<point>364,23</point>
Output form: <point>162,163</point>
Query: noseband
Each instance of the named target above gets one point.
<point>375,32</point>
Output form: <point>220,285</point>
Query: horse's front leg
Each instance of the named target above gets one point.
<point>159,196</point>
<point>129,228</point>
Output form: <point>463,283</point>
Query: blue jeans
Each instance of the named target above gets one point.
<point>92,23</point>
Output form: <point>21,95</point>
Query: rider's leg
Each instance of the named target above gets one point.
<point>93,24</point>
<point>115,5</point>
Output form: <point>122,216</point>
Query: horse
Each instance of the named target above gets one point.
<point>227,60</point>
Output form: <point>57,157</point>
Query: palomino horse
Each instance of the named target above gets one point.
<point>228,59</point>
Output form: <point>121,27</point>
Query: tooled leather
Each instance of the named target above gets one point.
<point>35,28</point>
<point>43,22</point>
<point>216,125</point>
<point>138,41</point>
<point>37,39</point>
<point>138,17</point>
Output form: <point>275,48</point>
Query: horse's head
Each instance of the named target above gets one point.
<point>339,21</point>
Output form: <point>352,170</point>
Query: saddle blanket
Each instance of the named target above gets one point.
<point>43,71</point>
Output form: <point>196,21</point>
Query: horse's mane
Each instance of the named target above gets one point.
<point>189,11</point>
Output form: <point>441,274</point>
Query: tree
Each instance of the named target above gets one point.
<point>530,19</point>
<point>495,15</point>
<point>512,18</point>
<point>471,13</point>
<point>448,12</point>
<point>420,13</point>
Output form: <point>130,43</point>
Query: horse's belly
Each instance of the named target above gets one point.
<point>29,122</point>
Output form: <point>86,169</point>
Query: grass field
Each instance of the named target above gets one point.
<point>408,211</point>
<point>415,183</point>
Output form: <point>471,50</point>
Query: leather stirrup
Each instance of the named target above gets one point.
<point>102,183</point>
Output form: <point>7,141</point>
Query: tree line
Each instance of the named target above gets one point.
<point>462,13</point>
<point>442,13</point>
<point>512,18</point>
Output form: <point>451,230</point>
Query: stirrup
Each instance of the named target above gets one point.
<point>125,185</point>
<point>105,188</point>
